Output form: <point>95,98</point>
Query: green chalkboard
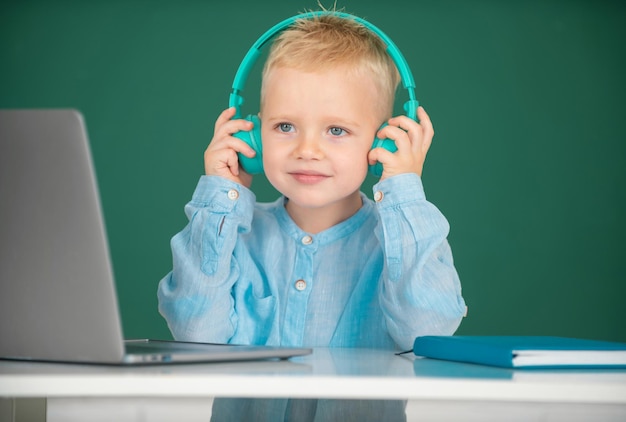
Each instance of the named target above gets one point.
<point>528,161</point>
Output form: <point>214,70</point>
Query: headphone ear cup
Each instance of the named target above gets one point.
<point>252,137</point>
<point>386,143</point>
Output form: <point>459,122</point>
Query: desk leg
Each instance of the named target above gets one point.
<point>23,410</point>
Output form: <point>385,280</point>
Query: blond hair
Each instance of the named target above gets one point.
<point>328,41</point>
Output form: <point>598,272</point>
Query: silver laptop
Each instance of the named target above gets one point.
<point>57,292</point>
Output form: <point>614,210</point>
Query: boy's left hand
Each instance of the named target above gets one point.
<point>413,141</point>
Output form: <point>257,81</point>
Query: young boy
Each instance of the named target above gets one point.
<point>323,265</point>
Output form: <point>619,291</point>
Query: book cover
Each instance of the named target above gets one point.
<point>523,351</point>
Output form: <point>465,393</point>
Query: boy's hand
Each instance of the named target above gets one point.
<point>220,158</point>
<point>412,139</point>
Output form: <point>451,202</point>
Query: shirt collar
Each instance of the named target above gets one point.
<point>329,235</point>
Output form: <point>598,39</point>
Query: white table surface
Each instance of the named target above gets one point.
<point>326,373</point>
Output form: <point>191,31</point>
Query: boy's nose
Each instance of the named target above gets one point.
<point>308,148</point>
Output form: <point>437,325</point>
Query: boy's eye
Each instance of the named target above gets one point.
<point>337,131</point>
<point>285,127</point>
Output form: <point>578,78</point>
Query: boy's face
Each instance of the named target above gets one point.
<point>317,129</point>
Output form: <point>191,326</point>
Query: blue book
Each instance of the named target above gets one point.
<point>523,351</point>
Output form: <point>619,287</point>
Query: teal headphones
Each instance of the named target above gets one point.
<point>254,165</point>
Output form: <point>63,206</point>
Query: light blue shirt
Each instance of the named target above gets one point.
<point>245,273</point>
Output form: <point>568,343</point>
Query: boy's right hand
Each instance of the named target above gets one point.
<point>220,157</point>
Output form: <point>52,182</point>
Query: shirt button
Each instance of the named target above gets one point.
<point>378,196</point>
<point>307,240</point>
<point>300,285</point>
<point>233,194</point>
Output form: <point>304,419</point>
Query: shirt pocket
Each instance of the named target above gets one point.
<point>257,316</point>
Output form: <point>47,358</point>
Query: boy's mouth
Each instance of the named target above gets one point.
<point>308,177</point>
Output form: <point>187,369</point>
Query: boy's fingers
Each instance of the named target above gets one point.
<point>379,155</point>
<point>403,122</point>
<point>240,146</point>
<point>425,122</point>
<point>225,125</point>
<point>230,127</point>
<point>224,116</point>
<point>399,135</point>
<point>409,124</point>
<point>233,164</point>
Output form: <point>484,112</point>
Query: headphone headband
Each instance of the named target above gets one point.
<point>253,54</point>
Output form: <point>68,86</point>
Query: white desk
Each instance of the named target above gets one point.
<point>434,388</point>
